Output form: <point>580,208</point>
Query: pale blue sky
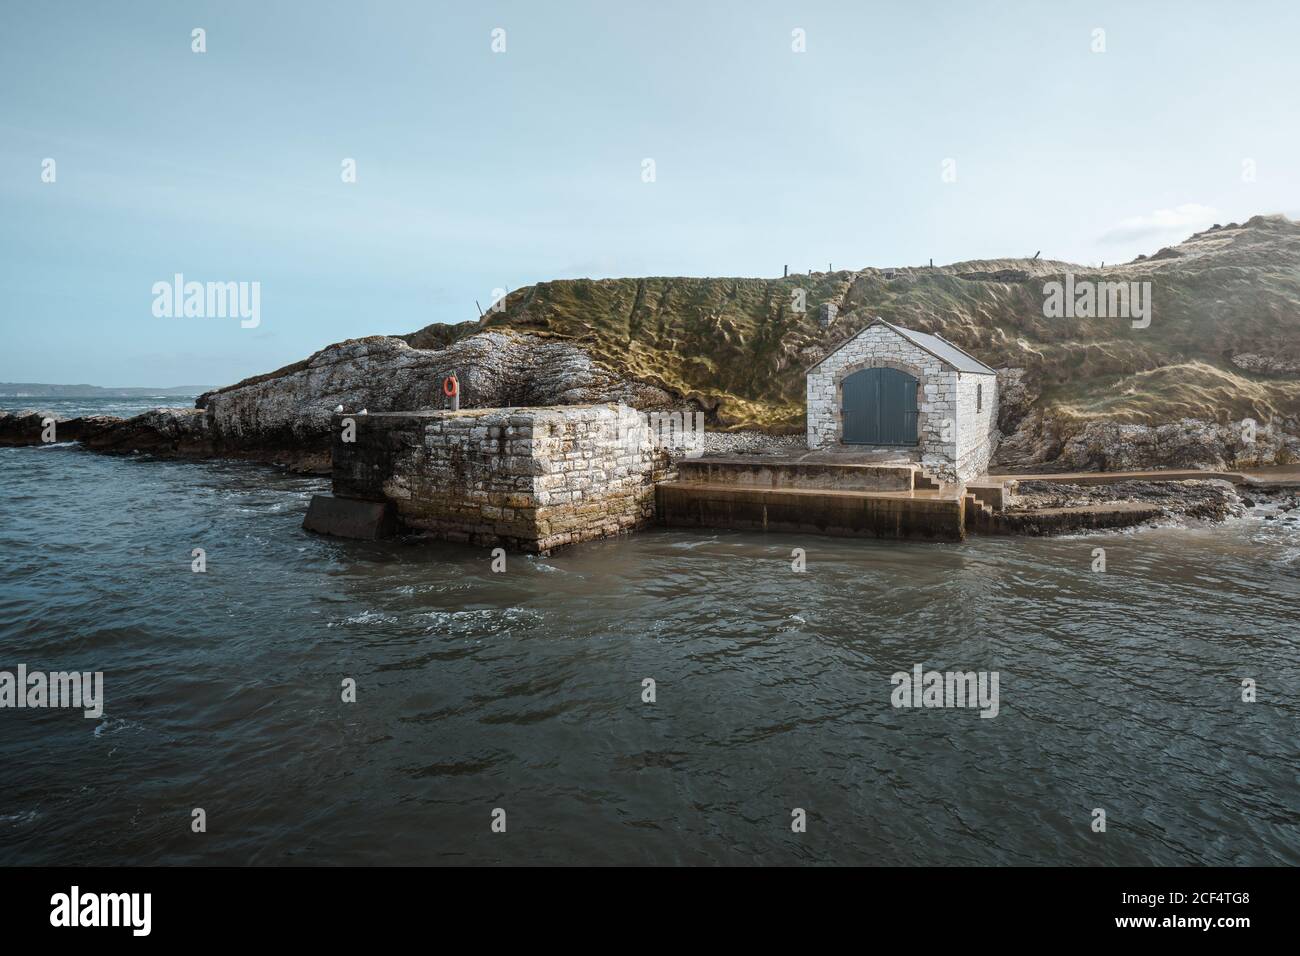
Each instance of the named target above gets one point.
<point>479,170</point>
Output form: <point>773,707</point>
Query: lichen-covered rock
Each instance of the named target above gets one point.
<point>284,417</point>
<point>1016,398</point>
<point>1265,364</point>
<point>291,409</point>
<point>1044,439</point>
<point>1189,443</point>
<point>749,442</point>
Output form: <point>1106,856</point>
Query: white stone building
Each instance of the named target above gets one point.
<point>913,393</point>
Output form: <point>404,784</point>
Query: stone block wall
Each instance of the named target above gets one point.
<point>977,424</point>
<point>879,346</point>
<point>530,479</point>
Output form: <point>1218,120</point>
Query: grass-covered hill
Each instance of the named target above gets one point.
<point>738,347</point>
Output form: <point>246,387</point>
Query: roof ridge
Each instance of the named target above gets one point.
<point>952,345</point>
<point>908,334</point>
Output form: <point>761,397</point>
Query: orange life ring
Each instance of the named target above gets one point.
<point>450,386</point>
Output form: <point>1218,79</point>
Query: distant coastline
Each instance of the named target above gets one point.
<point>43,390</point>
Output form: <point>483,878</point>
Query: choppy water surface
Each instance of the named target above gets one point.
<point>523,690</point>
<point>72,407</point>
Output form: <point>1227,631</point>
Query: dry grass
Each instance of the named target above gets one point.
<point>738,348</point>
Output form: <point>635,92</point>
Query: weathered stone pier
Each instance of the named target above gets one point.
<point>533,479</point>
<point>529,479</point>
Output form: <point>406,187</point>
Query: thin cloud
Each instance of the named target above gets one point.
<point>1189,217</point>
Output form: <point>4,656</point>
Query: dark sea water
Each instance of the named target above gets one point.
<point>522,690</point>
<point>72,407</point>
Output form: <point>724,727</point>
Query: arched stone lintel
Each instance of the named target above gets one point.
<point>916,371</point>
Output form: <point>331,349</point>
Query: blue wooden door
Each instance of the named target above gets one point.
<point>879,407</point>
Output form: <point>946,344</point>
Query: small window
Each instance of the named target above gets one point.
<point>979,396</point>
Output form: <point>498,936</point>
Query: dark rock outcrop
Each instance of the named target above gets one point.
<point>167,432</point>
<point>1212,500</point>
<point>285,417</point>
<point>292,409</point>
<point>28,427</point>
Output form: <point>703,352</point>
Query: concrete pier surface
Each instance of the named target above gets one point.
<point>832,494</point>
<point>842,513</point>
<point>887,495</point>
<point>762,472</point>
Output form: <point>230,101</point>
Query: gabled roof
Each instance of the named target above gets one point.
<point>936,345</point>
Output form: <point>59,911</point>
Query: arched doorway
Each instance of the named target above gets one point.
<point>878,407</point>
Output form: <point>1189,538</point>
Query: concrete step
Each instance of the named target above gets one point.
<point>922,481</point>
<point>838,512</point>
<point>760,473</point>
<point>350,518</point>
<point>992,492</point>
<point>1115,514</point>
<point>979,516</point>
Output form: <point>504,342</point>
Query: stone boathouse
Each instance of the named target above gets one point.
<point>900,430</point>
<point>891,388</point>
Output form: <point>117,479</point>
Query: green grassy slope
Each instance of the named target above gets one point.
<point>738,347</point>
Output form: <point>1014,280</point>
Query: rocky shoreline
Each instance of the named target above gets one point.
<point>1037,507</point>
<point>1212,500</point>
<point>283,417</point>
<point>185,433</point>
